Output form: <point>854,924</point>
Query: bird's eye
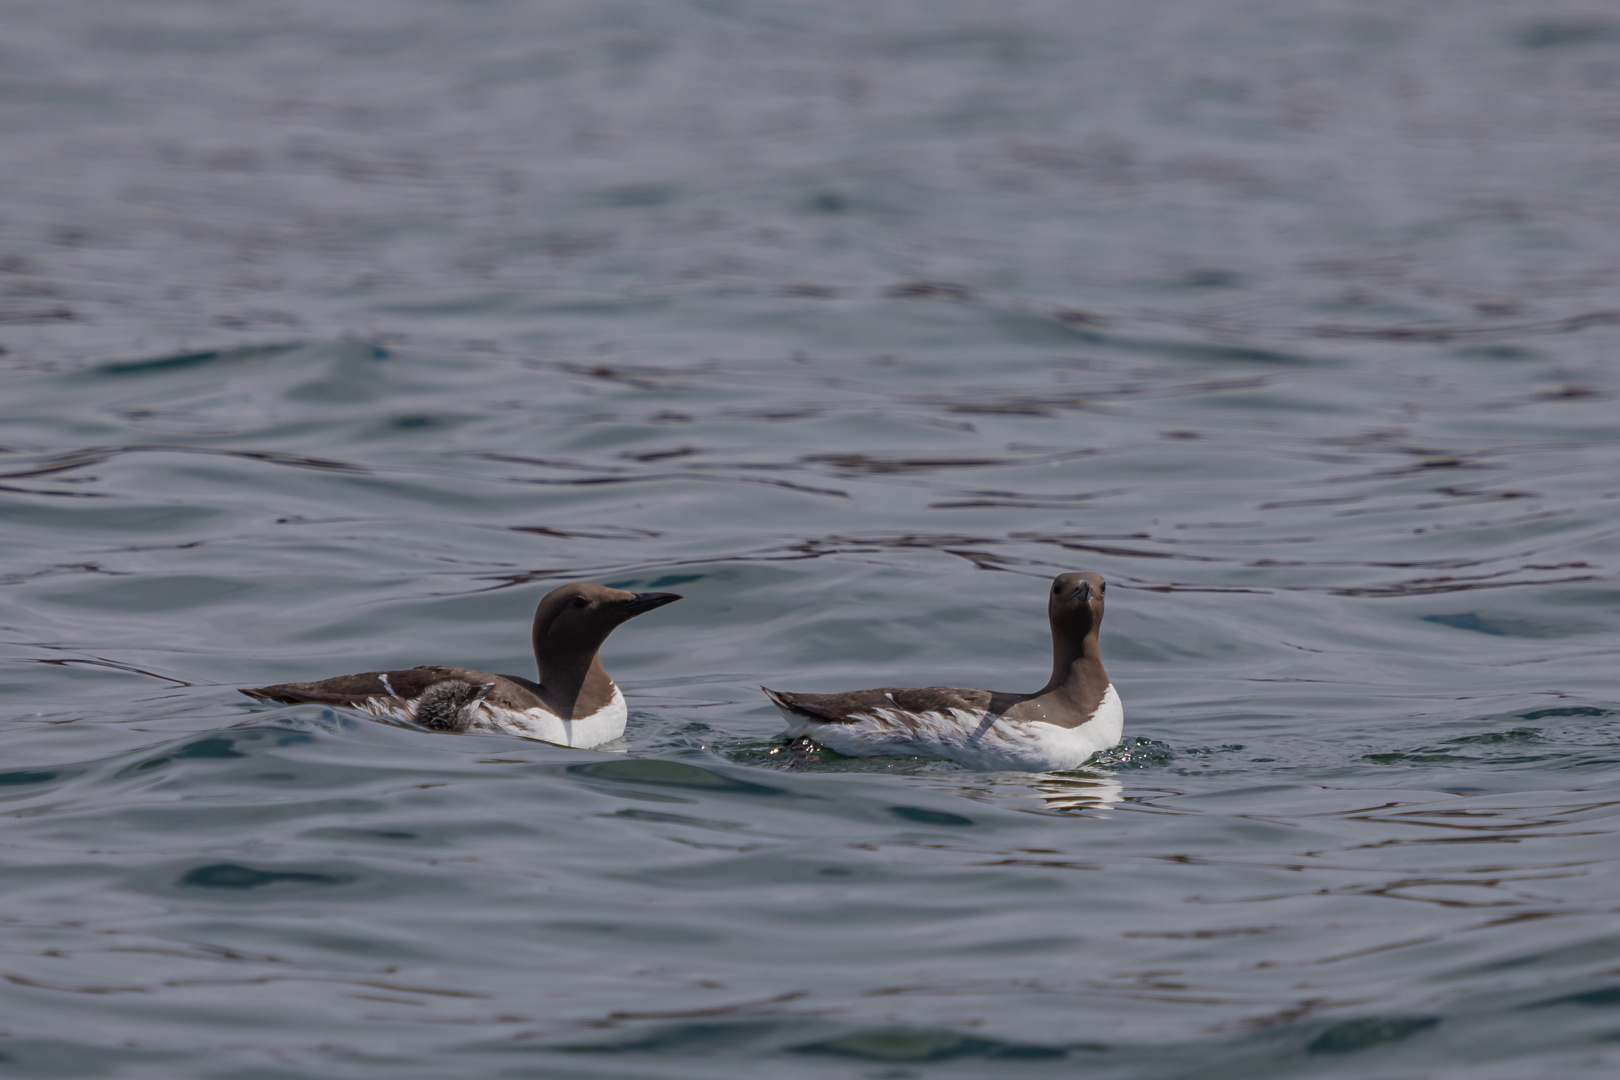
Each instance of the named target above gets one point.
<point>1102,588</point>
<point>1056,587</point>
<point>579,602</point>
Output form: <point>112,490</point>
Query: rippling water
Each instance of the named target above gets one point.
<point>334,336</point>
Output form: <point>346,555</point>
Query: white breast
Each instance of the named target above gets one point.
<point>977,739</point>
<point>1107,725</point>
<point>603,725</point>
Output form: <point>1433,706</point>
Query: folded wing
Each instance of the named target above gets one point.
<point>855,705</point>
<point>437,697</point>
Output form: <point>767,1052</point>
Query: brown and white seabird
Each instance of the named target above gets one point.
<point>574,703</point>
<point>1077,713</point>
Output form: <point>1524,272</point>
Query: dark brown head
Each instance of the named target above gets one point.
<point>572,621</point>
<point>1075,605</point>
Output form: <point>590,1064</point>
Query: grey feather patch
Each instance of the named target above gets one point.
<point>445,706</point>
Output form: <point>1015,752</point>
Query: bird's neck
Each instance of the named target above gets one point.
<point>1075,664</point>
<point>575,686</point>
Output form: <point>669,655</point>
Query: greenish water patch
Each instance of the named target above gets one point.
<point>899,1046</point>
<point>923,816</point>
<point>1466,620</point>
<point>1352,1036</point>
<point>24,777</point>
<point>236,876</point>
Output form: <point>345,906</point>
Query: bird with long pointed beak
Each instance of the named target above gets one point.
<point>572,703</point>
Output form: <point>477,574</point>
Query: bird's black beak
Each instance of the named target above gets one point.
<point>644,602</point>
<point>1083,593</point>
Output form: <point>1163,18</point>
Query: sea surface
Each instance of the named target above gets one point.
<point>336,334</point>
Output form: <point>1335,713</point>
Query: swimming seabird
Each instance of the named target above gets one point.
<point>574,703</point>
<point>1077,713</point>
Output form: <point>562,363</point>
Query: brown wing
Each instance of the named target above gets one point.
<point>853,704</point>
<point>509,692</point>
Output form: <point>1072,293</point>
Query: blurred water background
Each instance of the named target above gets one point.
<point>336,334</point>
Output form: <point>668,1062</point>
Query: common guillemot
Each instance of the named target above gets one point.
<point>1057,727</point>
<point>573,704</point>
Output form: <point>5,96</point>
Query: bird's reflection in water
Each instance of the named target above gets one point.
<point>1081,791</point>
<point>1078,791</point>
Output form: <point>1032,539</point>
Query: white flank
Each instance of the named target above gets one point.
<point>980,740</point>
<point>603,725</point>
